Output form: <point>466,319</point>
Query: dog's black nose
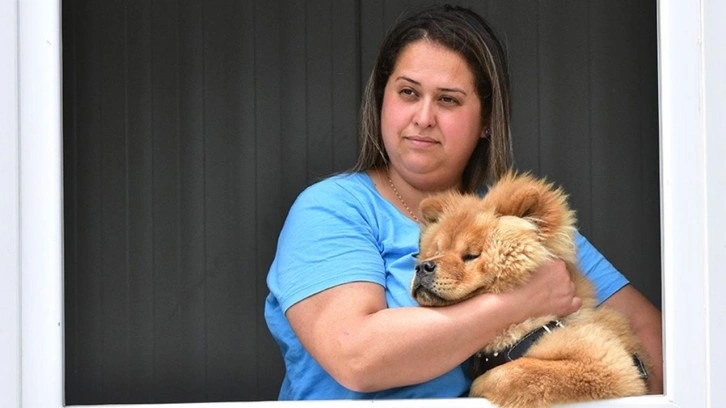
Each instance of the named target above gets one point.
<point>425,268</point>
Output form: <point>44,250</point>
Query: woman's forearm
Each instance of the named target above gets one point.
<point>402,346</point>
<point>367,346</point>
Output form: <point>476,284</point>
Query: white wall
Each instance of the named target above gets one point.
<point>714,99</point>
<point>9,201</point>
<point>37,137</point>
<point>693,184</point>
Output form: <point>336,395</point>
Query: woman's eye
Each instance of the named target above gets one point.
<point>469,257</point>
<point>407,92</point>
<point>449,100</point>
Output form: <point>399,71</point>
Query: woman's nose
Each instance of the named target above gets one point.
<point>425,115</point>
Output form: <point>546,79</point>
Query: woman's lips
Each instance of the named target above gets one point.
<point>421,141</point>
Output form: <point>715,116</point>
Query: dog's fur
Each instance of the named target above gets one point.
<point>491,245</point>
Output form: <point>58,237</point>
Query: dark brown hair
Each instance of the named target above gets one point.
<point>465,32</point>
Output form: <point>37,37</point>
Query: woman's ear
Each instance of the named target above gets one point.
<point>486,133</point>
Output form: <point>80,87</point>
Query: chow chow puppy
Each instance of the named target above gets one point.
<point>471,245</point>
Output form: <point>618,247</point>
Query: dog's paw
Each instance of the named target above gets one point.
<point>508,386</point>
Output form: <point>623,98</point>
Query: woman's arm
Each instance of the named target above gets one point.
<point>368,347</point>
<point>647,325</point>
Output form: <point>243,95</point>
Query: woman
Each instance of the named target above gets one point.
<point>435,116</point>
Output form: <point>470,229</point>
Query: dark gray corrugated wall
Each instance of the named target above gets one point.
<point>191,125</point>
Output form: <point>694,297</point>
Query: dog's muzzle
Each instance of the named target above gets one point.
<point>424,277</point>
<point>423,287</point>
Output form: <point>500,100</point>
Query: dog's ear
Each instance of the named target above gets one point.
<point>536,200</point>
<point>433,207</point>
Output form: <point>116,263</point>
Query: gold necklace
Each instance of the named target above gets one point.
<point>398,195</point>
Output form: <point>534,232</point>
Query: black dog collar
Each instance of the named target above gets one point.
<point>486,361</point>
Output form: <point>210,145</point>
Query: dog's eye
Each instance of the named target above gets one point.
<point>469,257</point>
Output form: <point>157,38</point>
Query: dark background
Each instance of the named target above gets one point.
<point>191,125</point>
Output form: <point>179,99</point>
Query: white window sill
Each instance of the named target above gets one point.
<point>644,401</point>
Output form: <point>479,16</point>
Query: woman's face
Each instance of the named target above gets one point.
<point>431,116</point>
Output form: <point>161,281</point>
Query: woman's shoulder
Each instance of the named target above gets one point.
<point>346,186</point>
<point>343,181</point>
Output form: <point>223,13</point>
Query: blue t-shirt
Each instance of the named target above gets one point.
<point>340,230</point>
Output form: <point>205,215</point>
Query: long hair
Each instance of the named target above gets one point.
<point>465,32</point>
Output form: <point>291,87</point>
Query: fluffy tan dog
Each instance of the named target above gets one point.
<point>472,245</point>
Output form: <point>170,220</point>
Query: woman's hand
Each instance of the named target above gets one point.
<point>550,291</point>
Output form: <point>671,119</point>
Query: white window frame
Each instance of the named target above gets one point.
<point>692,70</point>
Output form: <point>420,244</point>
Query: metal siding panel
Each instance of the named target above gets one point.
<point>173,356</point>
<point>345,91</point>
<point>372,30</point>
<point>517,23</point>
<point>84,345</point>
<point>624,99</point>
<point>114,212</point>
<point>293,94</point>
<point>230,196</point>
<point>319,103</point>
<point>190,175</point>
<point>141,341</point>
<point>564,101</point>
<point>267,369</point>
<point>70,198</point>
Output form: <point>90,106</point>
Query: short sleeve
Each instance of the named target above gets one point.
<point>327,240</point>
<point>600,271</point>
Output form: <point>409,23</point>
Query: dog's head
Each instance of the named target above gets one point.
<point>471,245</point>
